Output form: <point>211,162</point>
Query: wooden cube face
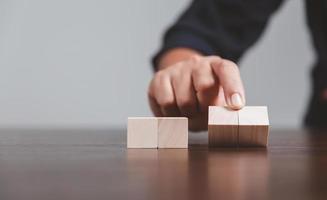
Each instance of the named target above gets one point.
<point>172,132</point>
<point>154,132</point>
<point>142,132</point>
<point>222,127</point>
<point>253,126</point>
<point>248,127</point>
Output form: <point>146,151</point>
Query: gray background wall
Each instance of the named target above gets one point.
<point>69,63</point>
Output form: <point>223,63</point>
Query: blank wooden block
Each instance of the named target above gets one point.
<point>222,127</point>
<point>253,126</point>
<point>142,132</point>
<point>172,132</point>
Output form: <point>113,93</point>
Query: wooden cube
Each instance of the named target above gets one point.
<point>172,132</point>
<point>154,132</point>
<point>142,132</point>
<point>222,127</point>
<point>253,126</point>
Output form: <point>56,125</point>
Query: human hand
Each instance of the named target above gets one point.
<point>188,87</point>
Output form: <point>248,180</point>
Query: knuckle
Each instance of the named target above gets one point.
<point>217,57</point>
<point>172,72</point>
<point>202,82</point>
<point>229,64</point>
<point>197,72</point>
<point>195,58</point>
<point>222,67</point>
<point>216,60</point>
<point>176,73</point>
<point>160,78</point>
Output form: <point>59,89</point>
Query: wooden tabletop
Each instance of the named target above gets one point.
<point>95,164</point>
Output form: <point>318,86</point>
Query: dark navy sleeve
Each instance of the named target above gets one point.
<point>219,27</point>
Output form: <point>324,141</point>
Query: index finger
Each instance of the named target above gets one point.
<point>230,80</point>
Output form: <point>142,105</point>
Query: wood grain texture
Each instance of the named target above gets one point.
<point>222,127</point>
<point>142,132</point>
<point>84,164</point>
<point>172,132</point>
<point>253,126</point>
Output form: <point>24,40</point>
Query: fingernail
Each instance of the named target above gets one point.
<point>236,101</point>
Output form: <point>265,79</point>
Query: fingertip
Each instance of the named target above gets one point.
<point>236,102</point>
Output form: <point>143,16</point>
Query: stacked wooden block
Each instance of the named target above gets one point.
<point>157,132</point>
<point>248,127</point>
